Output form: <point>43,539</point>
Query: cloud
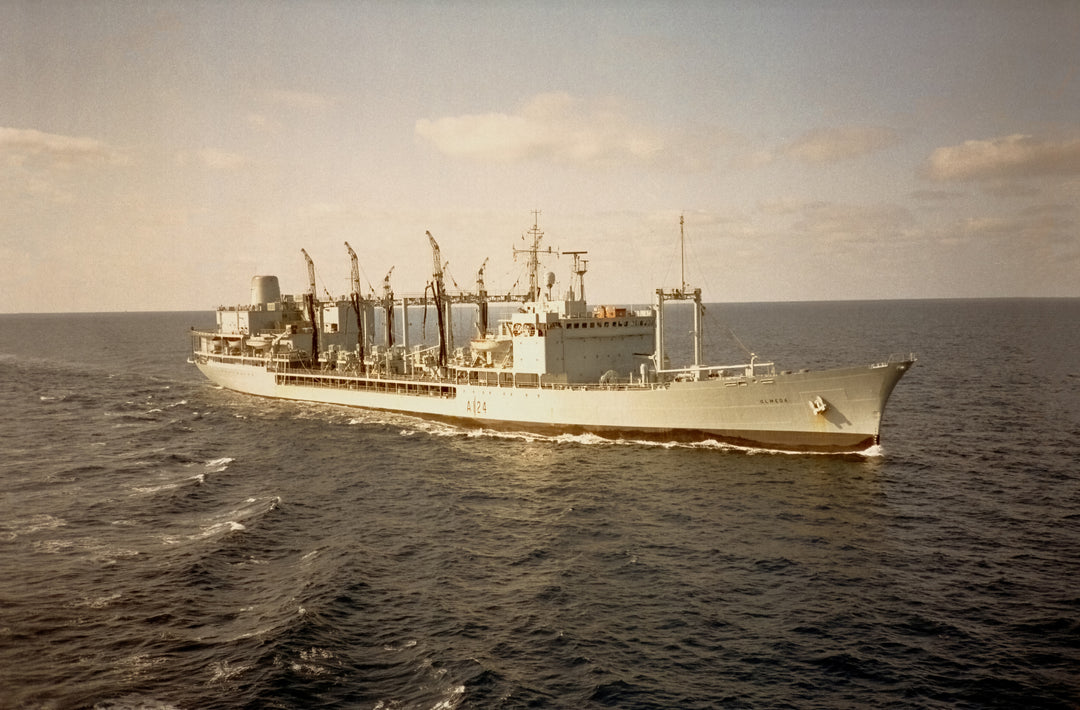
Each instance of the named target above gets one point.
<point>830,145</point>
<point>262,122</point>
<point>18,145</point>
<point>1011,188</point>
<point>936,195</point>
<point>1033,228</point>
<point>1051,210</point>
<point>305,100</point>
<point>1008,157</point>
<point>554,126</point>
<point>212,159</point>
<point>271,107</point>
<point>781,206</point>
<point>221,160</point>
<point>1022,228</point>
<point>828,222</point>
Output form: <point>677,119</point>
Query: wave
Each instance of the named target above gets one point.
<point>417,425</point>
<point>13,528</point>
<point>217,465</point>
<point>135,702</point>
<point>231,521</point>
<point>92,548</point>
<point>224,671</point>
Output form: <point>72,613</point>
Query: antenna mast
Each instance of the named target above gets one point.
<point>534,256</point>
<point>682,252</point>
<point>580,267</point>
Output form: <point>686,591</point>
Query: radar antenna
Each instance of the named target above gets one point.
<point>579,269</point>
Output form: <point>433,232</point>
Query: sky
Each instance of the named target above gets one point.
<point>157,155</point>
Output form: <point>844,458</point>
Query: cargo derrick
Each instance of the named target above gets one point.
<point>311,303</point>
<point>357,302</point>
<point>438,288</point>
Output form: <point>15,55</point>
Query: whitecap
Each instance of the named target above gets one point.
<point>218,465</point>
<point>30,525</point>
<point>156,489</point>
<point>210,531</point>
<point>95,603</point>
<point>453,698</point>
<point>91,548</point>
<point>589,439</point>
<point>586,440</point>
<point>873,452</point>
<point>315,653</point>
<point>224,670</point>
<point>135,703</point>
<point>408,644</point>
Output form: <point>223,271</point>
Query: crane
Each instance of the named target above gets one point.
<point>481,300</point>
<point>357,301</point>
<point>388,307</point>
<point>439,289</point>
<point>310,301</point>
<point>310,273</point>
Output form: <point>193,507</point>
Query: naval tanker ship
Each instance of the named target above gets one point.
<point>553,365</point>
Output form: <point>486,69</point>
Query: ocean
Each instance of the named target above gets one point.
<point>168,544</point>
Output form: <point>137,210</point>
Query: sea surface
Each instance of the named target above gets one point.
<point>168,544</point>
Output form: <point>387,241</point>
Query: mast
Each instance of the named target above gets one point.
<point>683,293</point>
<point>404,333</point>
<point>682,253</point>
<point>695,296</point>
<point>534,252</point>
<point>310,302</point>
<point>698,311</point>
<point>659,354</point>
<point>580,267</point>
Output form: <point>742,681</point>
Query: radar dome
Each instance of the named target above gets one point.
<point>550,279</point>
<point>265,289</point>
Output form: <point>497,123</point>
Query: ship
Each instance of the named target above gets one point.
<point>549,364</point>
